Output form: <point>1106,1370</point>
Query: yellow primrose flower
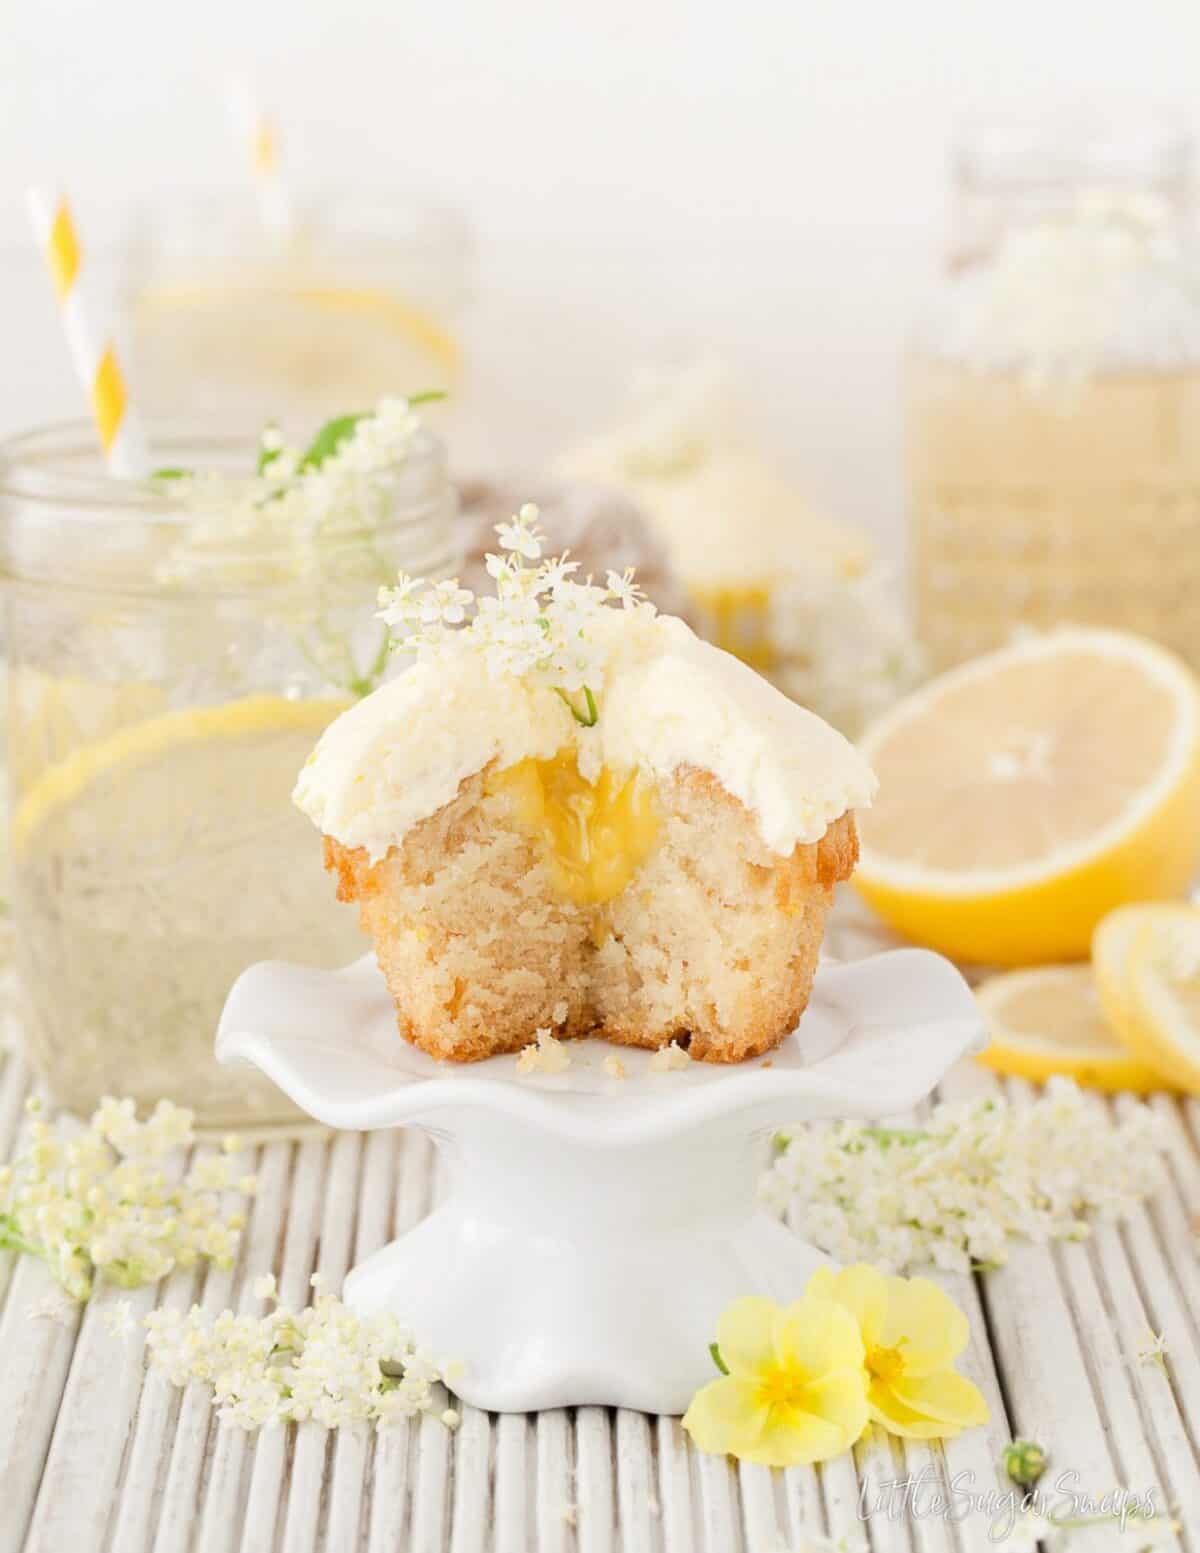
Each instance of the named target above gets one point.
<point>794,1390</point>
<point>912,1333</point>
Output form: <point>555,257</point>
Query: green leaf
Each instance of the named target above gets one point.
<point>717,1359</point>
<point>330,438</point>
<point>266,456</point>
<point>170,472</point>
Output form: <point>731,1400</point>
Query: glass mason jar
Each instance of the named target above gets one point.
<point>359,296</point>
<point>169,672</point>
<point>1053,399</point>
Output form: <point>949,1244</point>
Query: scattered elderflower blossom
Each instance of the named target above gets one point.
<point>1024,1461</point>
<point>97,1203</point>
<point>540,625</point>
<point>545,1055</point>
<point>323,1363</point>
<point>1154,1351</point>
<point>56,1307</point>
<point>793,1388</point>
<point>117,1319</point>
<point>912,1332</point>
<point>975,1175</point>
<point>668,1059</point>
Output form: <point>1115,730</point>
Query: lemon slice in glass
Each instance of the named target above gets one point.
<point>153,865</point>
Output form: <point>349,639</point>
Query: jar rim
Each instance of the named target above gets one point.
<point>31,465</point>
<point>1004,153</point>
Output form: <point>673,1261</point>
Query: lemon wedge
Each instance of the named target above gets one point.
<point>1151,987</point>
<point>1049,1021</point>
<point>1026,794</point>
<point>1111,945</point>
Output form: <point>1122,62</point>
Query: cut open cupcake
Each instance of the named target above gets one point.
<point>572,814</point>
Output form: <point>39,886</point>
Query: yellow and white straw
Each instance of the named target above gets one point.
<point>91,345</point>
<point>259,131</point>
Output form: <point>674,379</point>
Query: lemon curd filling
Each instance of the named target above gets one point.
<point>597,835</point>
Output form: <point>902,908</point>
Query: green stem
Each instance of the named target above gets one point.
<point>584,721</point>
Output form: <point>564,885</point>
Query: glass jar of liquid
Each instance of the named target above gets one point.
<point>1053,400</point>
<point>170,667</point>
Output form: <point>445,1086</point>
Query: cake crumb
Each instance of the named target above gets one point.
<point>545,1055</point>
<point>669,1059</point>
<point>768,1063</point>
<point>614,1067</point>
<point>570,1514</point>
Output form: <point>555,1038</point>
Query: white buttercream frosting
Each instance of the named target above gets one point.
<point>668,700</point>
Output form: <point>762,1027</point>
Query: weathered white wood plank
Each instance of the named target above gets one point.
<point>221,1523</point>
<point>718,1503</point>
<point>594,1494</point>
<point>158,1411</point>
<point>639,1508</point>
<point>802,1504</point>
<point>431,1487</point>
<point>37,1355</point>
<point>332,1260</point>
<point>761,1519</point>
<point>353,1447</point>
<point>1041,1354</point>
<point>556,1508</point>
<point>391,1477</point>
<point>471,1515</point>
<point>678,1499</point>
<point>263,1499</point>
<point>79,1487</point>
<point>513,1497</point>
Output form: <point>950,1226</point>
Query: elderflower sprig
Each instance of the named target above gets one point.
<point>323,1363</point>
<point>975,1175</point>
<point>98,1204</point>
<point>541,624</point>
<point>316,516</point>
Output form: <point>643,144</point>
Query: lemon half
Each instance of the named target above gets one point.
<point>1026,794</point>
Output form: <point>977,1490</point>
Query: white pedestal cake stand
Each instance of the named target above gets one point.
<point>594,1228</point>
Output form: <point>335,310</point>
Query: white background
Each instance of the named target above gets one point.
<point>764,179</point>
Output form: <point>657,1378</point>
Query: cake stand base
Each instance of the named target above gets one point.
<point>594,1228</point>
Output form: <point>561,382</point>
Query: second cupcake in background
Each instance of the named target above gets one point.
<point>795,595</point>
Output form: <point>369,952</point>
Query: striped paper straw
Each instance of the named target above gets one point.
<point>92,352</point>
<point>259,131</point>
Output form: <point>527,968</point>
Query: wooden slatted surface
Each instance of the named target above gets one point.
<point>95,1455</point>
